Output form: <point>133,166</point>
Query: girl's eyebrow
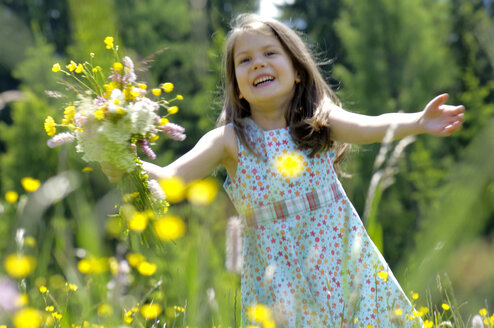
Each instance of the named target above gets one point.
<point>269,45</point>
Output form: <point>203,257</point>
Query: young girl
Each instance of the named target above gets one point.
<point>306,253</point>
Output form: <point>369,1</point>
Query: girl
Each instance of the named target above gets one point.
<point>306,254</point>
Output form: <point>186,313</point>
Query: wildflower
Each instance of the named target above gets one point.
<point>428,324</point>
<point>202,192</point>
<point>174,131</point>
<point>84,266</point>
<point>477,322</point>
<point>117,66</point>
<point>19,266</point>
<point>156,190</point>
<point>135,259</point>
<point>43,289</point>
<point>172,110</point>
<point>147,269</point>
<point>151,311</point>
<point>180,97</point>
<point>100,113</point>
<point>105,310</point>
<point>167,87</point>
<point>415,296</point>
<point>143,144</point>
<point>55,68</point>
<point>27,318</point>
<point>142,86</point>
<point>8,295</point>
<point>11,196</point>
<point>174,189</point>
<point>289,164</point>
<point>483,312</point>
<point>56,315</point>
<point>60,139</point>
<point>445,306</point>
<point>169,227</point>
<point>398,312</point>
<point>50,126</point>
<point>50,308</point>
<point>30,184</point>
<point>79,69</point>
<point>138,222</point>
<point>164,120</point>
<point>156,92</point>
<point>129,76</point>
<point>72,287</point>
<point>72,66</point>
<point>109,42</point>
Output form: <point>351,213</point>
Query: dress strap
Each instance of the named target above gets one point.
<point>290,207</point>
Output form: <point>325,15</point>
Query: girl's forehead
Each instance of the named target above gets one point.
<point>250,39</point>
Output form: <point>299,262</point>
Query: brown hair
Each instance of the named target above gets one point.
<point>306,116</point>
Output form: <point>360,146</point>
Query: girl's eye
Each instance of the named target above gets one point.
<point>243,60</point>
<point>270,53</point>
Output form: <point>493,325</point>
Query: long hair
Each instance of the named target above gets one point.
<point>307,114</point>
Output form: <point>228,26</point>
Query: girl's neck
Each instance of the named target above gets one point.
<point>269,121</point>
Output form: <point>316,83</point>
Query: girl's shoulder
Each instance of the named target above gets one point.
<point>227,137</point>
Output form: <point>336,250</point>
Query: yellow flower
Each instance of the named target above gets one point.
<point>172,110</point>
<point>156,92</point>
<point>55,68</point>
<point>105,310</point>
<point>428,324</point>
<point>290,164</point>
<point>99,113</point>
<point>169,227</point>
<point>202,192</point>
<point>72,287</point>
<point>174,189</point>
<point>56,315</point>
<point>27,318</point>
<point>483,312</point>
<point>84,266</point>
<point>138,222</point>
<point>87,169</point>
<point>11,196</point>
<point>142,86</point>
<point>109,42</point>
<point>29,241</point>
<point>72,66</point>
<point>50,126</point>
<point>415,296</point>
<point>167,87</point>
<point>259,313</point>
<point>117,66</point>
<point>21,300</point>
<point>180,97</point>
<point>43,289</point>
<point>97,69</point>
<point>19,266</point>
<point>79,69</point>
<point>383,275</point>
<point>135,259</point>
<point>69,113</point>
<point>30,184</point>
<point>398,312</point>
<point>50,308</point>
<point>445,306</point>
<point>164,120</point>
<point>151,311</point>
<point>147,269</point>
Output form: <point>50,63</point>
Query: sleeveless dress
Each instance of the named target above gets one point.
<point>306,254</point>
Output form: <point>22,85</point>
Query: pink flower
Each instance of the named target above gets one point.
<point>146,149</point>
<point>174,131</point>
<point>60,139</point>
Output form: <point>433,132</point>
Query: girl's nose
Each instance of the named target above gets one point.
<point>258,63</point>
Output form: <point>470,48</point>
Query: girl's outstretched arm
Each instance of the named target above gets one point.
<point>437,118</point>
<point>216,147</point>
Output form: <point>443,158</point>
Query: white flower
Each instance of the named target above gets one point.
<point>143,115</point>
<point>116,101</point>
<point>129,77</point>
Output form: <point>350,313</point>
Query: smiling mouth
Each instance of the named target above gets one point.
<point>263,80</point>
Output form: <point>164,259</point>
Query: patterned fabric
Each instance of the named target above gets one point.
<point>306,253</point>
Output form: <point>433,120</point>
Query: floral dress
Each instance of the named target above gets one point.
<point>306,254</point>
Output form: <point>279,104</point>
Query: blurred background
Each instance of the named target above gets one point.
<point>431,214</point>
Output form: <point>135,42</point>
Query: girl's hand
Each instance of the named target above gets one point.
<point>113,173</point>
<point>440,119</point>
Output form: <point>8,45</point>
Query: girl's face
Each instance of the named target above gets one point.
<point>265,74</point>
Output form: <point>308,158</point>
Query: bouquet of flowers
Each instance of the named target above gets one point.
<point>114,115</point>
